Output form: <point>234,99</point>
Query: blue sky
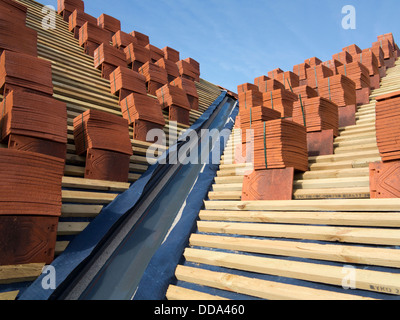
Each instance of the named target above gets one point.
<point>236,40</point>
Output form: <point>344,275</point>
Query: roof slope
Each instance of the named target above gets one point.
<point>78,83</point>
<point>299,249</point>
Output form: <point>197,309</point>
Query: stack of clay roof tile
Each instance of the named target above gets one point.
<point>40,194</point>
<point>143,113</point>
<point>312,62</point>
<point>196,67</point>
<point>14,34</point>
<point>305,92</point>
<point>111,24</point>
<point>259,80</point>
<point>155,53</point>
<point>289,79</point>
<point>188,69</point>
<point>34,122</point>
<point>29,210</point>
<point>171,54</point>
<point>105,140</point>
<point>191,91</point>
<point>387,126</point>
<point>389,53</point>
<point>266,84</point>
<point>175,99</point>
<point>273,74</point>
<point>13,11</point>
<point>77,19</point>
<point>317,114</point>
<point>369,60</point>
<point>356,72</point>
<point>250,98</point>
<point>31,119</point>
<point>34,125</point>
<point>141,38</point>
<point>107,165</point>
<point>107,58</point>
<point>66,7</point>
<point>136,55</point>
<point>301,71</point>
<point>122,39</point>
<point>100,130</point>
<point>377,50</point>
<point>333,64</point>
<point>156,76</point>
<point>170,67</point>
<point>389,36</point>
<point>280,144</point>
<point>386,46</point>
<point>280,100</point>
<point>343,57</point>
<point>257,114</point>
<point>339,89</point>
<point>92,36</point>
<point>247,87</point>
<point>353,50</point>
<point>270,85</point>
<point>22,71</point>
<point>124,81</point>
<point>316,73</point>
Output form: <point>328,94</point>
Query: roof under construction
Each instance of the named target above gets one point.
<point>302,202</point>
